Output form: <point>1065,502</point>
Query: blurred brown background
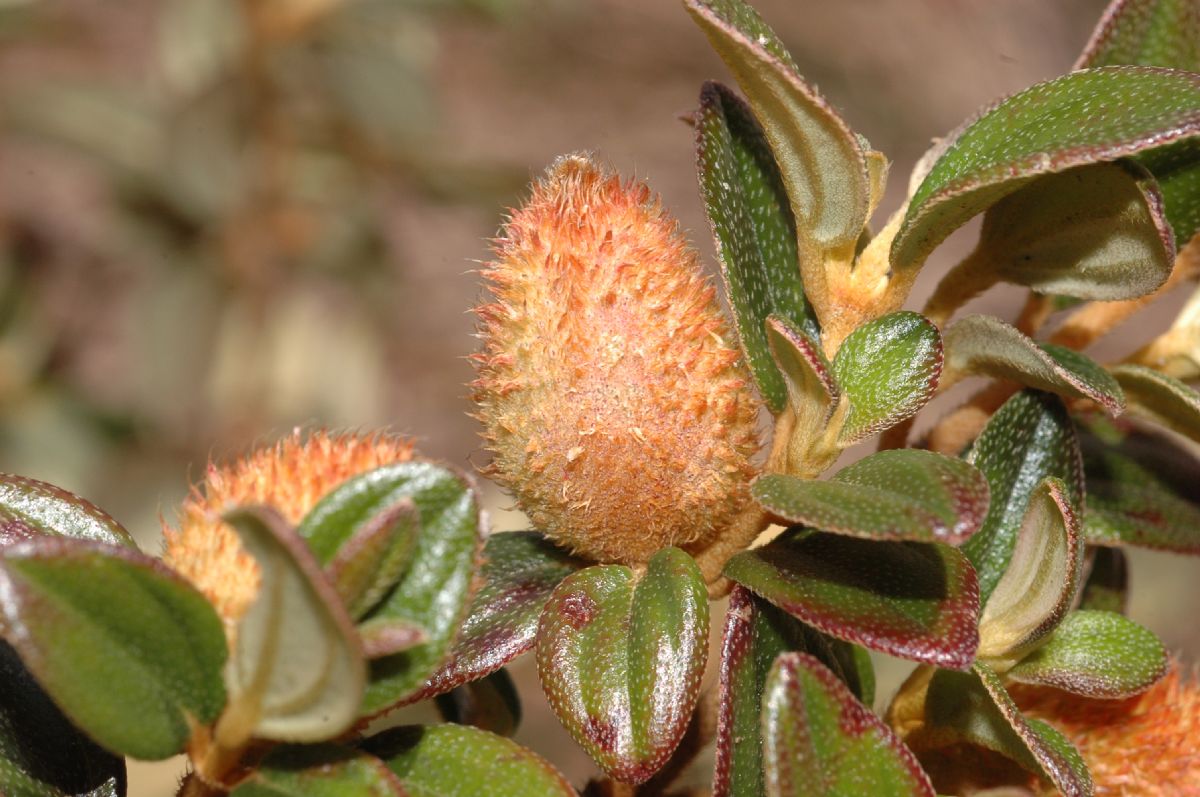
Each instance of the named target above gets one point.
<point>220,219</point>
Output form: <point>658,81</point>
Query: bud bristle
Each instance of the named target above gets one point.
<point>1142,746</point>
<point>291,476</point>
<point>615,409</point>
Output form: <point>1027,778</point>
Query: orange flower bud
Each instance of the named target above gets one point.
<point>615,409</point>
<point>290,476</point>
<point>1143,746</point>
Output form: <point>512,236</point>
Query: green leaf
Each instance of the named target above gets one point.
<point>1160,398</point>
<point>819,740</point>
<point>460,761</point>
<point>1036,591</point>
<point>754,230</point>
<point>41,753</point>
<point>374,558</point>
<point>1146,32</point>
<point>755,634</point>
<point>435,590</point>
<point>981,345</point>
<point>974,707</point>
<point>1096,654</point>
<point>621,658</point>
<point>297,672</point>
<point>917,601</point>
<point>820,159</point>
<point>1141,490</point>
<point>490,703</point>
<point>520,570</point>
<point>128,649</point>
<point>1177,169</point>
<point>1084,117</point>
<point>888,368</point>
<point>320,771</point>
<point>904,494</point>
<point>29,507</point>
<point>1107,585</point>
<point>1157,33</point>
<point>1093,232</point>
<point>1029,438</point>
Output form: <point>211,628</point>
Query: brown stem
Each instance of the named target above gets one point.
<point>1038,308</point>
<point>194,786</point>
<point>971,277</point>
<point>956,431</point>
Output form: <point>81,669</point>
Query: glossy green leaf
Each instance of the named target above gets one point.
<point>435,589</point>
<point>1096,654</point>
<point>974,707</point>
<point>1160,398</point>
<point>388,636</point>
<point>819,741</point>
<point>490,703</point>
<point>755,634</point>
<point>1084,117</point>
<point>41,753</point>
<point>320,771</point>
<point>297,671</point>
<point>754,231</point>
<point>1146,32</point>
<point>820,159</point>
<point>980,345</point>
<point>1029,438</point>
<point>1141,490</point>
<point>1093,232</point>
<point>1106,587</point>
<point>904,494</point>
<point>917,601</point>
<point>29,507</point>
<point>621,658</point>
<point>460,761</point>
<point>520,570</point>
<point>1037,590</point>
<point>128,649</point>
<point>373,559</point>
<point>888,368</point>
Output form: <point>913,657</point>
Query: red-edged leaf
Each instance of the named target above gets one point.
<point>917,601</point>
<point>904,494</point>
<point>755,634</point>
<point>520,570</point>
<point>819,741</point>
<point>1095,654</point>
<point>974,707</point>
<point>621,658</point>
<point>1084,117</point>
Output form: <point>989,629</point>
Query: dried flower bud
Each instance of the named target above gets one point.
<point>616,412</point>
<point>291,476</point>
<point>1142,746</point>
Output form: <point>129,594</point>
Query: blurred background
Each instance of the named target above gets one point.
<point>221,219</point>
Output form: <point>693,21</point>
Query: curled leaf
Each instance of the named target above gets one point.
<point>980,345</point>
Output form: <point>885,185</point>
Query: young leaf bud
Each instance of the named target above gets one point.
<point>614,408</point>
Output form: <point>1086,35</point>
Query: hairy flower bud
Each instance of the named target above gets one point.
<point>615,409</point>
<point>290,476</point>
<point>1142,746</point>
